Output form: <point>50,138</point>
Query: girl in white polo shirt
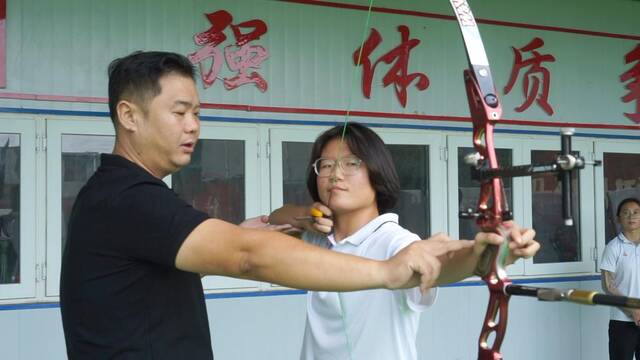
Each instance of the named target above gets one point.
<point>354,183</point>
<point>621,276</point>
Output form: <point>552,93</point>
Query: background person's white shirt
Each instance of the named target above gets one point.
<point>622,257</point>
<point>371,324</point>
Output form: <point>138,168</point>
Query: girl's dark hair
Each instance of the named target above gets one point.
<point>366,145</point>
<point>626,201</point>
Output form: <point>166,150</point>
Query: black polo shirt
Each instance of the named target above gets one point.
<point>121,296</point>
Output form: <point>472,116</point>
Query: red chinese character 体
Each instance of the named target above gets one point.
<point>535,75</point>
<point>240,57</point>
<point>632,74</point>
<point>398,74</point>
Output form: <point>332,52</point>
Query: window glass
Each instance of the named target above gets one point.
<point>559,243</point>
<point>621,181</point>
<point>80,159</point>
<point>412,165</point>
<point>295,157</point>
<point>469,190</point>
<point>9,208</point>
<point>214,181</point>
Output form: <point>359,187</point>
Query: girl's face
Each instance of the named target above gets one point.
<point>629,217</point>
<point>344,193</point>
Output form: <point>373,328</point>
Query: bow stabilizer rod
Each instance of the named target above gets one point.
<point>573,295</point>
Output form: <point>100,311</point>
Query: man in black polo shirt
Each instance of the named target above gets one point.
<point>130,282</point>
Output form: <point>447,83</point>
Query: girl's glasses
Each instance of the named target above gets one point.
<point>350,165</point>
<point>629,213</point>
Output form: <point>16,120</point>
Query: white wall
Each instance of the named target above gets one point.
<point>271,328</point>
<point>62,47</point>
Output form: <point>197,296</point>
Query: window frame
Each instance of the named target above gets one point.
<point>56,129</point>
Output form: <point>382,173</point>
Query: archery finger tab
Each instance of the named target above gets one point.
<point>315,212</point>
<point>314,215</point>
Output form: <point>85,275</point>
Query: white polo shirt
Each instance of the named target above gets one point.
<point>622,257</point>
<point>371,324</point>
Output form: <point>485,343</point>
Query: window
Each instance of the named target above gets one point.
<point>619,177</point>
<point>80,159</point>
<point>17,208</point>
<point>214,181</point>
<point>564,249</point>
<point>559,242</point>
<point>469,189</point>
<point>73,155</point>
<point>290,150</point>
<point>222,180</point>
<point>9,208</point>
<point>509,152</point>
<point>421,169</point>
<point>295,160</point>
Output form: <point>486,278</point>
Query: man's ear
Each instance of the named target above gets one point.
<point>128,114</point>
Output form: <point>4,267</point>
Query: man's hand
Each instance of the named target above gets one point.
<point>420,262</point>
<point>521,245</point>
<point>262,223</point>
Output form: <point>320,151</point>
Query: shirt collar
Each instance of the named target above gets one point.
<point>624,239</point>
<point>118,161</point>
<point>113,160</point>
<point>364,232</point>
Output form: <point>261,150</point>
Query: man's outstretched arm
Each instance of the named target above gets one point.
<point>216,247</point>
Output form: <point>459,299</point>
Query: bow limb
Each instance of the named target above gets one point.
<point>492,210</point>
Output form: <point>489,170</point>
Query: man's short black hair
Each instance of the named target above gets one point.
<point>626,201</point>
<point>136,77</point>
<point>369,147</point>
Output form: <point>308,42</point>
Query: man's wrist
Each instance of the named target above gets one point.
<point>383,274</point>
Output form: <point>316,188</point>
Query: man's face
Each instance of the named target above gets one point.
<point>170,126</point>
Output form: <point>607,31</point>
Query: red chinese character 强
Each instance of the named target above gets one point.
<point>398,74</point>
<point>632,74</point>
<point>532,80</point>
<point>240,57</point>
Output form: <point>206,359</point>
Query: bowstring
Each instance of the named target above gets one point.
<point>354,76</point>
<point>340,146</point>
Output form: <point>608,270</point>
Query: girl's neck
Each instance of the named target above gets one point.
<point>632,235</point>
<point>346,224</point>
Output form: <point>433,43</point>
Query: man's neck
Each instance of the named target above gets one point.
<point>129,153</point>
<point>346,224</point>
